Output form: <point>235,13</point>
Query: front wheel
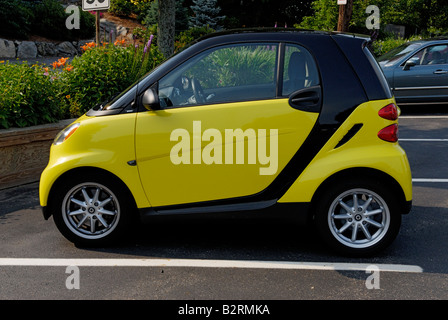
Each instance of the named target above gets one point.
<point>91,211</point>
<point>358,218</point>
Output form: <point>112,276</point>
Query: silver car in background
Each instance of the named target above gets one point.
<point>417,71</point>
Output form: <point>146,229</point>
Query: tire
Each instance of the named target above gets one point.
<point>92,211</point>
<point>358,218</point>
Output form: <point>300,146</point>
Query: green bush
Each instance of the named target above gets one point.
<point>31,95</point>
<point>50,18</point>
<point>16,19</point>
<point>187,37</point>
<point>19,19</point>
<point>121,7</point>
<point>102,72</point>
<point>380,47</point>
<point>86,27</point>
<point>27,96</point>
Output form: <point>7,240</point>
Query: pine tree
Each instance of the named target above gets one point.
<point>206,12</point>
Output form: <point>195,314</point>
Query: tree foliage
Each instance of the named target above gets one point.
<point>427,16</point>
<point>206,13</point>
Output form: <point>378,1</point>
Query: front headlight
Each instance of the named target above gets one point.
<point>65,133</point>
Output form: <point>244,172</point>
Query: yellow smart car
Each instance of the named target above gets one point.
<point>279,121</point>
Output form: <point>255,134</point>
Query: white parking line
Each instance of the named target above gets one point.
<point>423,117</point>
<point>430,180</point>
<point>424,140</point>
<point>200,263</point>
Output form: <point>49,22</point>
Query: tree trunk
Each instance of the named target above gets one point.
<point>166,28</point>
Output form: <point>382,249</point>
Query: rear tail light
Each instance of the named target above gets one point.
<point>389,134</point>
<point>389,112</point>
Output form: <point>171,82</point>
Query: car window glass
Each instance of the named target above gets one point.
<point>396,54</point>
<point>230,73</point>
<point>437,54</point>
<point>300,70</point>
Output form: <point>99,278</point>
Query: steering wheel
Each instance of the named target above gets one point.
<point>197,91</point>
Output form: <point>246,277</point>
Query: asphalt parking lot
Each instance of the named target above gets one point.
<point>237,259</point>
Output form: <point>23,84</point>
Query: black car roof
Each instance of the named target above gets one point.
<point>247,32</point>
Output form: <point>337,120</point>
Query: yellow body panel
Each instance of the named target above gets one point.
<point>101,142</point>
<point>167,183</point>
<point>365,150</point>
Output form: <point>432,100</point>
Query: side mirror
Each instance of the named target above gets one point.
<point>150,99</point>
<point>409,64</point>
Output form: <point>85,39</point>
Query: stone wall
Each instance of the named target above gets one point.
<point>10,49</point>
<point>29,49</point>
<point>25,152</point>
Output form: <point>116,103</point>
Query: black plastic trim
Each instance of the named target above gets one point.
<point>45,212</point>
<point>299,211</point>
<point>350,134</point>
<point>204,208</point>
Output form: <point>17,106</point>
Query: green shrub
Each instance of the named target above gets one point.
<point>102,72</point>
<point>27,96</point>
<point>187,37</point>
<point>50,18</point>
<point>19,19</point>
<point>121,7</point>
<point>31,95</point>
<point>16,19</point>
<point>380,47</point>
<point>86,27</point>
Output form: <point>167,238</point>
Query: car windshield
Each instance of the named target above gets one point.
<point>395,54</point>
<point>121,99</point>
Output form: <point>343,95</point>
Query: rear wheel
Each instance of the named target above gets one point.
<point>92,211</point>
<point>358,218</point>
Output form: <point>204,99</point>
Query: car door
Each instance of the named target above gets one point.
<point>426,79</point>
<point>225,130</point>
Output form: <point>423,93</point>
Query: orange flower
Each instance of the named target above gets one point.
<point>55,64</point>
<point>87,46</point>
<point>69,68</point>
<point>62,61</point>
<point>67,96</point>
<point>117,42</point>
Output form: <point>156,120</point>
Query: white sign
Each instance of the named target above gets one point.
<point>93,5</point>
<point>344,2</point>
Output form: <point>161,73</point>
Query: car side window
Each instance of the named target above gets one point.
<point>231,73</point>
<point>437,54</point>
<point>299,71</point>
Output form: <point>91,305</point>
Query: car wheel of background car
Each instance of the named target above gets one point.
<point>92,210</point>
<point>358,219</point>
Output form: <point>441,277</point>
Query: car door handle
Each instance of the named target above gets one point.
<point>313,98</point>
<point>441,72</point>
<point>307,99</point>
